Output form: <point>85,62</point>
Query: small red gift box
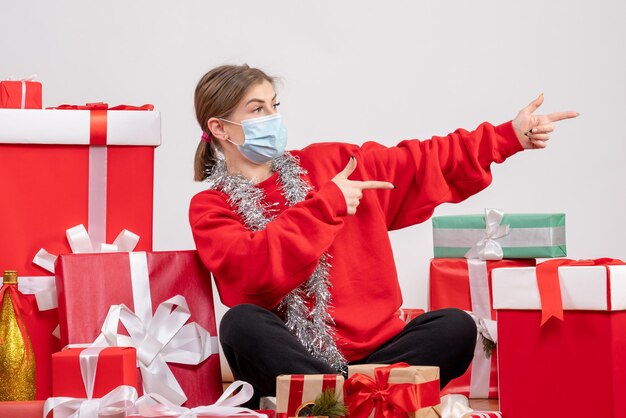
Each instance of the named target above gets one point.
<point>465,284</point>
<point>26,409</point>
<point>397,390</point>
<point>20,94</point>
<point>296,391</point>
<point>111,367</point>
<point>544,363</point>
<point>172,288</point>
<point>54,180</point>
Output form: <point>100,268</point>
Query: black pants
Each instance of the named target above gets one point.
<point>259,347</point>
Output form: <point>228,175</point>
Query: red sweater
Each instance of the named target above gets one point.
<point>262,267</point>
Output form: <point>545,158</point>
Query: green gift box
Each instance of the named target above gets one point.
<point>497,235</point>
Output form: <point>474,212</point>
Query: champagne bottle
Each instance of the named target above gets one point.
<point>17,361</point>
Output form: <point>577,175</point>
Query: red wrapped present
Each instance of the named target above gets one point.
<point>53,180</point>
<point>296,391</point>
<point>26,409</point>
<point>162,300</point>
<point>396,390</point>
<point>93,372</point>
<point>20,94</point>
<point>466,284</point>
<point>542,363</point>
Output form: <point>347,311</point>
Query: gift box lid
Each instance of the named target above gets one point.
<point>73,127</point>
<point>596,288</point>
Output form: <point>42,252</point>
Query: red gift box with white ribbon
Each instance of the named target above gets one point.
<point>466,284</point>
<point>93,372</point>
<point>61,168</point>
<point>20,94</point>
<point>161,303</point>
<point>572,364</point>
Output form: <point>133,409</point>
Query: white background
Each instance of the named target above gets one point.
<point>354,71</point>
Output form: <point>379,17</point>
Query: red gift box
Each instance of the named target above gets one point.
<point>89,284</point>
<point>295,391</point>
<point>20,94</point>
<point>465,284</point>
<point>46,175</point>
<point>26,409</point>
<point>114,366</point>
<point>573,367</point>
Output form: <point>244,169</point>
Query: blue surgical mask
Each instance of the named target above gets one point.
<point>265,138</point>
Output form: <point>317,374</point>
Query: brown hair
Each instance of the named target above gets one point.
<point>217,94</point>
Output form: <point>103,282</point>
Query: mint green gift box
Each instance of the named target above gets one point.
<point>531,235</point>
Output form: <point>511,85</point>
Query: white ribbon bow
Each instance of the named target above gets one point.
<point>488,248</point>
<point>160,339</point>
<point>44,287</point>
<point>154,405</point>
<point>120,400</point>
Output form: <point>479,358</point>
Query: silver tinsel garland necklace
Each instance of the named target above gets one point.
<point>312,327</point>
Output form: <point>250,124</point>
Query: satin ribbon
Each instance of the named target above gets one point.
<point>487,328</point>
<point>155,405</point>
<point>159,339</point>
<point>31,77</point>
<point>44,287</point>
<point>488,248</point>
<point>102,106</point>
<point>20,309</point>
<point>120,400</point>
<point>550,288</point>
<point>364,394</point>
<point>457,406</point>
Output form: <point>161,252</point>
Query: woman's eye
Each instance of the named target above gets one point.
<point>257,109</point>
<point>276,105</point>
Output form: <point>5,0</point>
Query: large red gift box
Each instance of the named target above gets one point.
<point>20,94</point>
<point>573,367</point>
<point>110,368</point>
<point>465,284</point>
<point>89,284</point>
<point>50,173</point>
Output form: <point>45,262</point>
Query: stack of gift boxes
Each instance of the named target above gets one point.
<point>77,185</point>
<point>556,348</point>
<point>138,327</point>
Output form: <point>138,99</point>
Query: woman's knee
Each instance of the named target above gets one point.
<point>241,321</point>
<point>460,326</point>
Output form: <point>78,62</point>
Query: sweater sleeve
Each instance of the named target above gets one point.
<point>262,267</point>
<point>439,170</point>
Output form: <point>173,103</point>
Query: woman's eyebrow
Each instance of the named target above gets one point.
<point>259,100</point>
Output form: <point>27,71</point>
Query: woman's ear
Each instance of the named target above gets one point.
<point>216,127</point>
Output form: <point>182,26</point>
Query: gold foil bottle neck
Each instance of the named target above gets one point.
<point>9,277</point>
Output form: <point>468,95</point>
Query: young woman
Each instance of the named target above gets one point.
<point>298,241</point>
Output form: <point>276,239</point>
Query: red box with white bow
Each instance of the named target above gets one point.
<point>18,94</point>
<point>573,367</point>
<point>161,303</point>
<point>466,284</point>
<point>93,372</point>
<point>55,177</point>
